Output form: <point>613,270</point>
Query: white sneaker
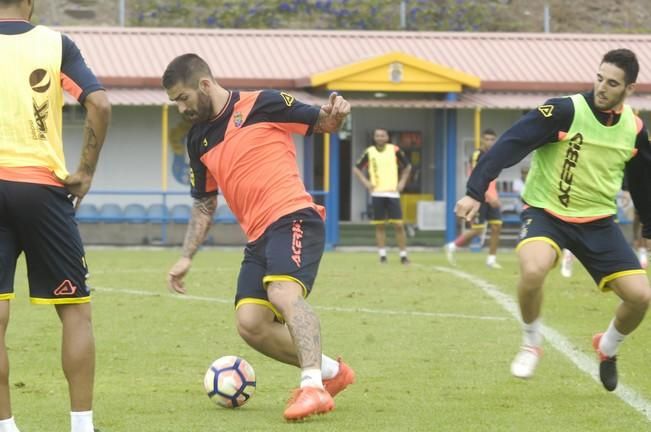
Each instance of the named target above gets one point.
<point>494,265</point>
<point>642,256</point>
<point>566,264</point>
<point>525,362</point>
<point>450,248</point>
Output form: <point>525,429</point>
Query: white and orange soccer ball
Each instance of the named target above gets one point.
<point>230,381</point>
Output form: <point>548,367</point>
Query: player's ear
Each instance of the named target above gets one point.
<point>204,85</point>
<point>630,88</point>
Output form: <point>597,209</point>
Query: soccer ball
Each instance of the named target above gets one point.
<point>230,381</point>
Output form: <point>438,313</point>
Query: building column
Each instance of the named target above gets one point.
<point>451,176</point>
<point>332,199</point>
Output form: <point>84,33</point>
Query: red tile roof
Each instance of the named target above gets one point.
<point>281,58</point>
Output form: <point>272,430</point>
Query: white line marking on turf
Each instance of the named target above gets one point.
<point>323,308</point>
<point>162,272</point>
<point>558,341</point>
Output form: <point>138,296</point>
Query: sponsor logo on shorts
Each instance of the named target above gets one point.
<point>525,228</point>
<point>297,243</point>
<point>65,289</point>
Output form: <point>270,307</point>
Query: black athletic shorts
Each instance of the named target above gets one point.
<point>289,250</point>
<point>487,214</point>
<point>600,245</point>
<point>39,220</point>
<point>386,210</point>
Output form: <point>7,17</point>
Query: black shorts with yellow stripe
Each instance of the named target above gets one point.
<point>289,250</point>
<point>599,245</point>
<point>40,221</point>
<point>487,214</point>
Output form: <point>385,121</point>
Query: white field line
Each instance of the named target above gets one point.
<point>583,362</point>
<point>143,293</point>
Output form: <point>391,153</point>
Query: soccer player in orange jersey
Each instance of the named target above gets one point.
<point>241,143</point>
<point>38,195</point>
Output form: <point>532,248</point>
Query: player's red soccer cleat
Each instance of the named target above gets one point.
<point>307,401</point>
<point>344,378</point>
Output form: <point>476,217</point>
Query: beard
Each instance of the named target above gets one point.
<point>610,103</point>
<point>203,112</point>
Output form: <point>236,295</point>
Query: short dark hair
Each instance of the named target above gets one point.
<point>489,131</point>
<point>626,60</point>
<point>380,129</point>
<point>186,69</point>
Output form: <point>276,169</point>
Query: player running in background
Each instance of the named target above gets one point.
<point>583,145</point>
<point>241,143</point>
<point>489,212</point>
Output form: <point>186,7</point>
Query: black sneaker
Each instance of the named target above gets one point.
<point>404,260</point>
<point>607,365</point>
<point>383,260</point>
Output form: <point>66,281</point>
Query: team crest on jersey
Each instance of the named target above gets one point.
<point>238,119</point>
<point>289,99</point>
<point>546,110</point>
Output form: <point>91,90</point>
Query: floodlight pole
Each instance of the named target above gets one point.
<point>122,11</point>
<point>547,18</point>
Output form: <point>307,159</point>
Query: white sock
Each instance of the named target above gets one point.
<point>81,421</point>
<point>329,367</point>
<point>403,253</point>
<point>531,335</point>
<point>8,425</point>
<point>452,246</point>
<point>311,378</point>
<point>492,259</point>
<point>382,252</point>
<point>611,340</point>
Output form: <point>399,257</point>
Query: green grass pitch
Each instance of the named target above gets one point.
<point>431,350</point>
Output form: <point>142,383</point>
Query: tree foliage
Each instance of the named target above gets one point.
<point>579,16</point>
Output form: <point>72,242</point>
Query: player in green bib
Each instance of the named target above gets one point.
<point>582,146</point>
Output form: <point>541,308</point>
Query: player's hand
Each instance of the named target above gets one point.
<point>177,273</point>
<point>78,184</point>
<point>337,107</point>
<point>467,208</point>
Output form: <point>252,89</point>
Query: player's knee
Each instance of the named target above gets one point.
<point>250,327</point>
<point>643,297</point>
<point>283,294</point>
<point>533,271</point>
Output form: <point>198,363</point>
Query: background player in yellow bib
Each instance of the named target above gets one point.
<point>383,161</point>
<point>37,194</point>
<point>583,144</point>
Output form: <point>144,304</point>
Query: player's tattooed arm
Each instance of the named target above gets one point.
<point>200,222</point>
<point>98,116</point>
<point>332,114</point>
